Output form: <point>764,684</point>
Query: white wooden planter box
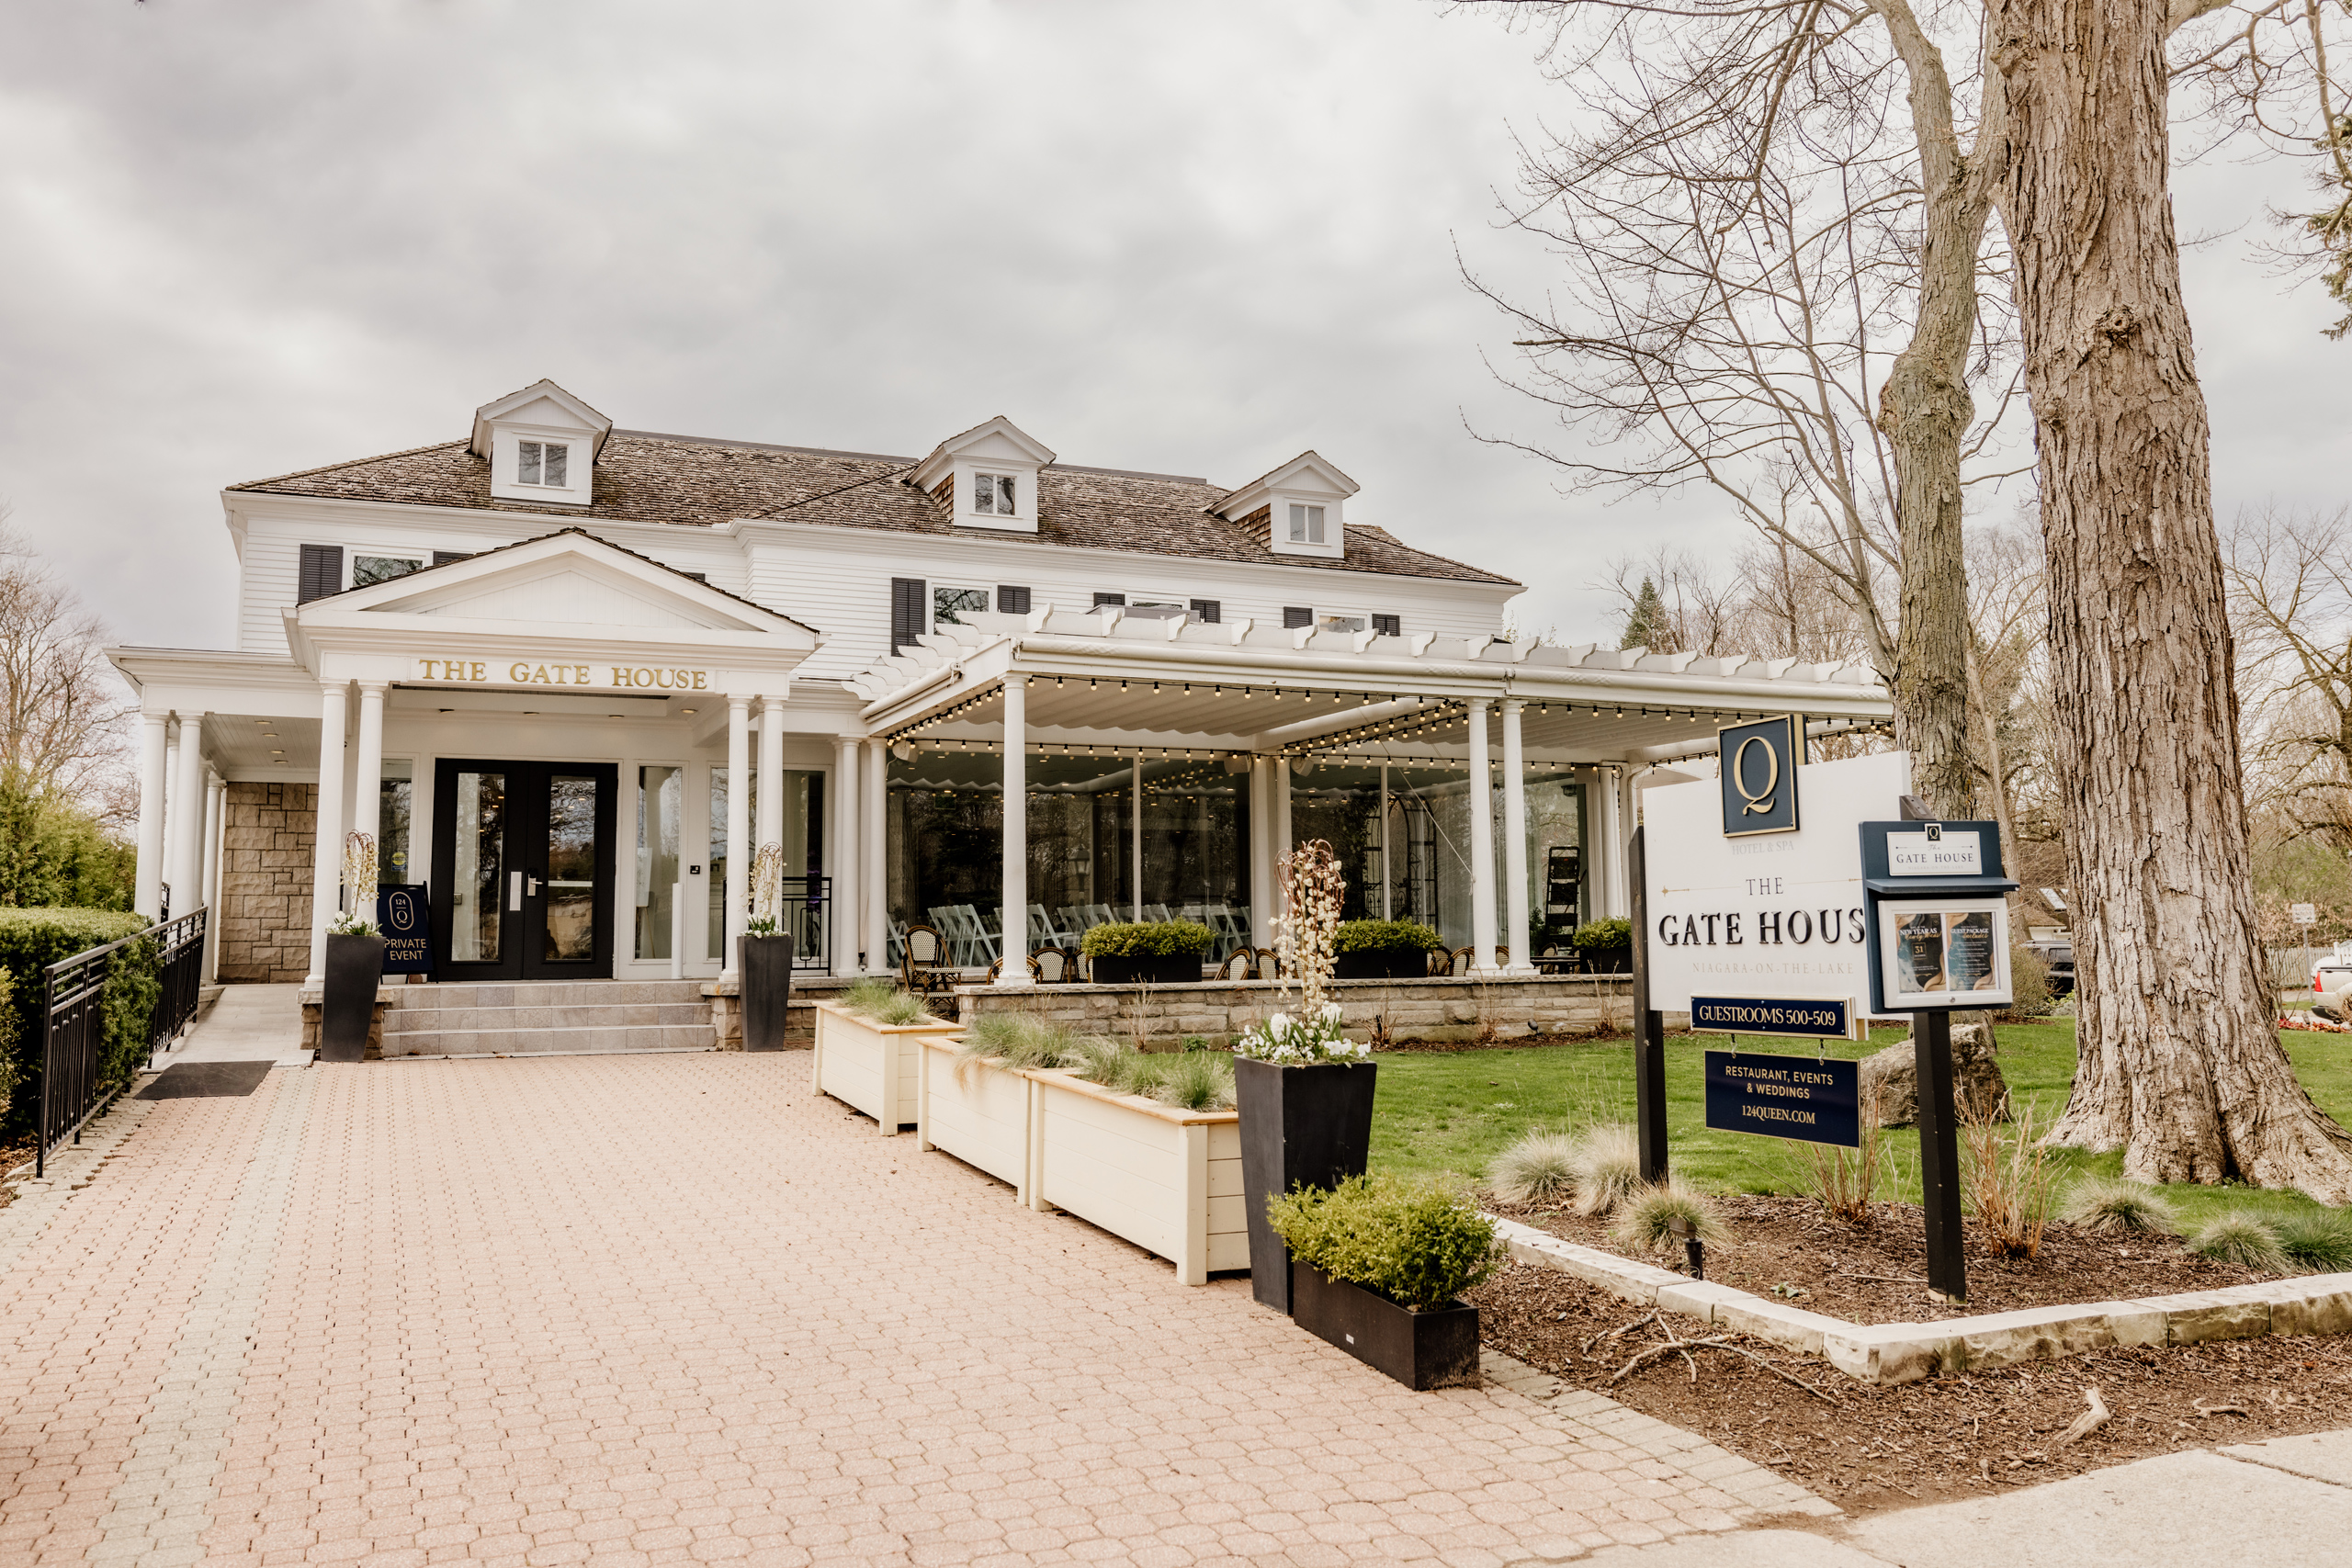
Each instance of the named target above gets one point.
<point>1169,1180</point>
<point>870,1066</point>
<point>974,1109</point>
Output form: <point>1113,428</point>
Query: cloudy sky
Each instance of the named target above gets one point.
<point>244,238</point>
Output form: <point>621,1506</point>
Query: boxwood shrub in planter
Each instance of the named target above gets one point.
<point>1607,946</point>
<point>1378,1266</point>
<point>1155,953</point>
<point>1383,950</point>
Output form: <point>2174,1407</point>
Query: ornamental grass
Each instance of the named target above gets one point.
<point>2116,1203</point>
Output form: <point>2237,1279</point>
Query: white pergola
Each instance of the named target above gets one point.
<point>1113,683</point>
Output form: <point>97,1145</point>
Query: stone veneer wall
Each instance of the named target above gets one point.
<point>268,831</point>
<point>1568,1006</point>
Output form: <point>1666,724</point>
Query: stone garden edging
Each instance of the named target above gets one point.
<point>1889,1353</point>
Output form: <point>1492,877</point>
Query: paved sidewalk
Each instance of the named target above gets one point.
<point>634,1310</point>
<point>2282,1504</point>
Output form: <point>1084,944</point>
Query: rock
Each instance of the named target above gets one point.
<point>1892,1075</point>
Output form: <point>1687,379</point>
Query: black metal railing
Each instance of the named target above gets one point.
<point>804,908</point>
<point>74,1031</point>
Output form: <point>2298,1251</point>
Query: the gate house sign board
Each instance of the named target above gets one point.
<point>1771,915</point>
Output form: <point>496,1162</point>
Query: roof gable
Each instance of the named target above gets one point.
<point>997,440</point>
<point>542,403</point>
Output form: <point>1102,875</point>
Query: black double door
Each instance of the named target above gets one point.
<point>523,858</point>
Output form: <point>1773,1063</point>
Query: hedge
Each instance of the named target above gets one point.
<point>1378,936</point>
<point>1147,939</point>
<point>32,940</point>
<point>1614,932</point>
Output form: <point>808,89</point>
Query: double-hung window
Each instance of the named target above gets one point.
<point>542,463</point>
<point>993,495</point>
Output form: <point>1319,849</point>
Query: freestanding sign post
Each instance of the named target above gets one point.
<point>1938,922</point>
<point>1649,1028</point>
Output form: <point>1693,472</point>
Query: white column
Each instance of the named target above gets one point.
<point>740,848</point>
<point>168,807</point>
<point>215,811</point>
<point>326,861</point>
<point>1387,871</point>
<point>1014,943</point>
<point>1135,841</point>
<point>1281,816</point>
<point>771,770</point>
<point>368,775</point>
<point>187,856</point>
<point>847,864</point>
<point>1262,853</point>
<point>154,744</point>
<point>1482,843</point>
<point>1602,833</point>
<point>874,852</point>
<point>1515,840</point>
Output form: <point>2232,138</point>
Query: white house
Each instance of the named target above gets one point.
<point>566,673</point>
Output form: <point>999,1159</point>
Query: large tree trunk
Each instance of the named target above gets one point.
<point>1925,410</point>
<point>2181,1066</point>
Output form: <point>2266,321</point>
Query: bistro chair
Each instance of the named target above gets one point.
<point>1461,960</point>
<point>1053,965</point>
<point>997,968</point>
<point>1242,964</point>
<point>925,969</point>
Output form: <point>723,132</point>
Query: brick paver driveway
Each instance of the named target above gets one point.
<point>646,1309</point>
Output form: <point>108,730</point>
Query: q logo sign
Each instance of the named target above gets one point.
<point>1759,776</point>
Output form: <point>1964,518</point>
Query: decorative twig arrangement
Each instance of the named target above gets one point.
<point>767,888</point>
<point>360,881</point>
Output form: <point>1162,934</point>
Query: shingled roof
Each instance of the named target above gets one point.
<point>645,477</point>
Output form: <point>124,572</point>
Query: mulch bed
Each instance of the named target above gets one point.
<point>1787,1247</point>
<point>1869,1449</point>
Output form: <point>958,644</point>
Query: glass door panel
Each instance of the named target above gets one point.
<point>568,901</point>
<point>660,793</point>
<point>478,893</point>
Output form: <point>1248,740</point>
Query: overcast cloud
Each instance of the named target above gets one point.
<point>248,237</point>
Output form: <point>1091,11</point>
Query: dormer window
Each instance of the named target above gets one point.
<point>545,463</point>
<point>1305,524</point>
<point>995,494</point>
<point>1299,509</point>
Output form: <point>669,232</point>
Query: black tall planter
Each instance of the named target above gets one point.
<point>1382,963</point>
<point>765,964</point>
<point>347,1010</point>
<point>1300,1127</point>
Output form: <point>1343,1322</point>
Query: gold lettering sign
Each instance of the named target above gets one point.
<point>532,673</point>
<point>1759,800</point>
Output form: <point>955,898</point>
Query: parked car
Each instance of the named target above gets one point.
<point>2331,974</point>
<point>2058,957</point>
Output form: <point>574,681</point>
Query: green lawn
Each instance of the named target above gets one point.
<point>1451,1113</point>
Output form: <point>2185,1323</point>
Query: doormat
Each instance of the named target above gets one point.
<point>206,1080</point>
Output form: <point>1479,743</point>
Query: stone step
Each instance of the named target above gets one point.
<point>622,1015</point>
<point>540,994</point>
<point>547,1041</point>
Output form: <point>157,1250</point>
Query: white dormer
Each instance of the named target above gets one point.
<point>987,477</point>
<point>1296,509</point>
<point>541,444</point>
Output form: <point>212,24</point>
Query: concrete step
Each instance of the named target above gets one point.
<point>622,1015</point>
<point>547,1041</point>
<point>541,993</point>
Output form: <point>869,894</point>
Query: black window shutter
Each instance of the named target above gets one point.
<point>907,622</point>
<point>321,572</point>
<point>1388,626</point>
<point>1206,611</point>
<point>1102,599</point>
<point>443,558</point>
<point>1012,601</point>
<point>1296,615</point>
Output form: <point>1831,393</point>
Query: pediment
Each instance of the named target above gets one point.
<point>566,592</point>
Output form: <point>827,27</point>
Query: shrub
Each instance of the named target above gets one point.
<point>1539,1168</point>
<point>2112,1204</point>
<point>1648,1219</point>
<point>1845,1182</point>
<point>883,1002</point>
<point>1417,1244</point>
<point>2315,1241</point>
<point>1615,932</point>
<point>1147,939</point>
<point>1377,936</point>
<point>30,940</point>
<point>2029,983</point>
<point>1608,1167</point>
<point>2239,1237</point>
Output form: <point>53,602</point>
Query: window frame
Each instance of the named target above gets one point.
<point>543,443</point>
<point>995,483</point>
<point>1324,619</point>
<point>1316,521</point>
<point>986,607</point>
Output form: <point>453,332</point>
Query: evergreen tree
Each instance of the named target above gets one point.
<point>1645,622</point>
